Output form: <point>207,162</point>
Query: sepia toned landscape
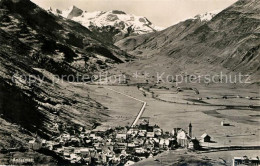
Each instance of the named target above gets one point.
<point>82,87</point>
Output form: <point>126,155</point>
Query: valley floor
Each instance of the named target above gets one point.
<point>169,109</point>
<point>205,111</point>
<point>182,157</point>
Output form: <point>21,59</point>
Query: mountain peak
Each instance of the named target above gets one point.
<point>117,12</point>
<point>73,7</point>
<point>73,11</point>
<point>207,16</point>
<point>115,23</point>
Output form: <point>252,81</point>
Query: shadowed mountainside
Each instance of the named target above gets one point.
<point>35,46</point>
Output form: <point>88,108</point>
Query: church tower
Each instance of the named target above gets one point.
<point>190,130</point>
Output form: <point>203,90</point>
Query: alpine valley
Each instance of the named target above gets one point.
<point>43,51</point>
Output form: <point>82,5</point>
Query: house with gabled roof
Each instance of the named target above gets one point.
<point>205,138</point>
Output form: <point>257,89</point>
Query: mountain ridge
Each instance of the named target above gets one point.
<point>36,49</point>
<point>115,22</point>
<point>229,42</point>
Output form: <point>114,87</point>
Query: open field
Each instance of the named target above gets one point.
<point>244,123</point>
<point>170,109</point>
<point>182,157</point>
<point>122,110</point>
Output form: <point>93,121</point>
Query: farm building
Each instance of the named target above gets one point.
<point>223,123</point>
<point>205,138</point>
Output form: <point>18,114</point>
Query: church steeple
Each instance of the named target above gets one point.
<point>190,130</point>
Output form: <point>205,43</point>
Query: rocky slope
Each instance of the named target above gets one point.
<point>229,42</point>
<point>110,25</point>
<point>36,48</point>
<point>166,37</point>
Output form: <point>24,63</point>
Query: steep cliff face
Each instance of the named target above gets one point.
<point>229,42</point>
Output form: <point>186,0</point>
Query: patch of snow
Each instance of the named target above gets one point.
<point>208,15</point>
<point>203,17</point>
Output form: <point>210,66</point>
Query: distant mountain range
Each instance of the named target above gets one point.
<point>228,42</point>
<point>111,25</point>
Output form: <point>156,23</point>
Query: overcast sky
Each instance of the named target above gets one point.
<point>160,12</point>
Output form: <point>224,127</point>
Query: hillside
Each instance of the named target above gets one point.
<point>229,42</point>
<point>36,48</point>
<point>111,26</point>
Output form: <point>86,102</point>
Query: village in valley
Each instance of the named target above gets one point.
<point>127,145</point>
<point>132,82</point>
<point>120,145</point>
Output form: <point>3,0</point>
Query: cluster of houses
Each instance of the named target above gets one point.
<point>246,161</point>
<point>121,145</point>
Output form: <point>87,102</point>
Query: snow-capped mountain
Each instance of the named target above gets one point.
<point>116,22</point>
<point>207,16</point>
